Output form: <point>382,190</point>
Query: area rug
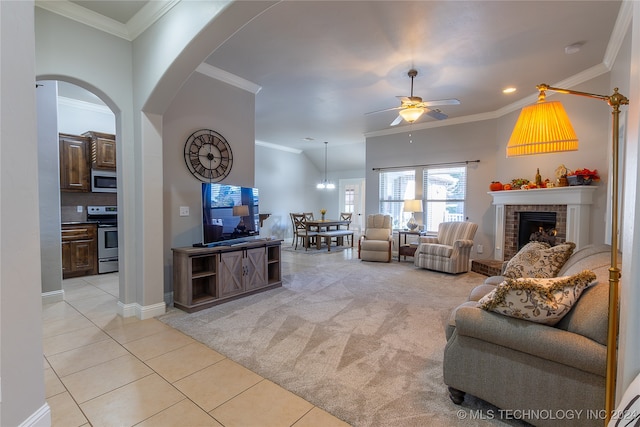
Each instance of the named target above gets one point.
<point>313,250</point>
<point>363,341</point>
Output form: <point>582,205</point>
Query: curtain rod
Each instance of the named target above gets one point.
<point>466,162</point>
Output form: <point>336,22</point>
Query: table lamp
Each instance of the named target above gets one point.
<point>412,206</point>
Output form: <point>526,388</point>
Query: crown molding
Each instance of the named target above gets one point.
<point>620,29</point>
<point>278,147</point>
<point>85,16</point>
<point>84,105</point>
<point>142,20</point>
<point>226,77</point>
<point>148,15</point>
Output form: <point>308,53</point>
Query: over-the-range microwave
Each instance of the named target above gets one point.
<point>103,181</point>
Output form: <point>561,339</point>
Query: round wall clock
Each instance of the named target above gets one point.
<point>208,155</point>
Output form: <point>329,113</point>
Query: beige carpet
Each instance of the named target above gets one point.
<point>362,340</point>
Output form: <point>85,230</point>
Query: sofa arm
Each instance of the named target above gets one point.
<point>532,338</point>
<point>463,244</point>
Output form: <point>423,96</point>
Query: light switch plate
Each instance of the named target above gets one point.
<point>184,210</point>
<point>79,209</point>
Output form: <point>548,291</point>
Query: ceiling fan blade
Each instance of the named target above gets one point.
<point>382,111</point>
<point>396,121</point>
<point>436,114</point>
<point>437,102</point>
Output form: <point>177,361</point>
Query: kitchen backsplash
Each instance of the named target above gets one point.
<point>69,203</point>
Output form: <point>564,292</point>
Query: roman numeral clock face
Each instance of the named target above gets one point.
<point>208,155</point>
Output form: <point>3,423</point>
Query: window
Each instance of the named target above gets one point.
<point>445,192</point>
<point>349,198</point>
<point>395,187</point>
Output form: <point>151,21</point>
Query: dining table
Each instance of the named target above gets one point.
<point>320,225</point>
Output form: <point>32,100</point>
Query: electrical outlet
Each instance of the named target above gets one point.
<point>184,210</point>
<point>79,209</point>
<point>480,249</point>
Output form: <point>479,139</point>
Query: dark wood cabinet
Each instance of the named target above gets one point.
<point>103,150</point>
<point>79,250</point>
<point>204,277</point>
<point>74,163</point>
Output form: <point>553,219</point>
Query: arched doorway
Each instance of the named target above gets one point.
<point>65,108</point>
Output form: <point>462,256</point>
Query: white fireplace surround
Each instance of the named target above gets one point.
<point>578,200</point>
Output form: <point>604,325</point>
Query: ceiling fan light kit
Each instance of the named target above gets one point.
<point>413,107</point>
<point>411,114</point>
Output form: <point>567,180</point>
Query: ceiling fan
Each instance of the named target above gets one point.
<point>412,107</point>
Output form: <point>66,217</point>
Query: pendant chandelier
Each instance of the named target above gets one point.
<point>325,184</point>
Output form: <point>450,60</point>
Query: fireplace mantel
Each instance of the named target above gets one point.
<point>578,200</point>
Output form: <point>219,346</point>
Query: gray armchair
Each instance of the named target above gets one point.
<point>375,243</point>
<point>450,250</point>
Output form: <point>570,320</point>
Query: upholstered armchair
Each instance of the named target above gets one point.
<point>375,243</point>
<point>450,250</point>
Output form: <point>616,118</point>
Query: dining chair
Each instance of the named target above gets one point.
<point>293,228</point>
<point>301,232</point>
<point>346,216</point>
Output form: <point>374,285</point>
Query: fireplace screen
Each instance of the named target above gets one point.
<point>537,226</point>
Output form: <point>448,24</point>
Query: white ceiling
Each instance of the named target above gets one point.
<point>322,65</point>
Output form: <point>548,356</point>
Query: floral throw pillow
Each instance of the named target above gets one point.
<point>544,301</point>
<point>537,259</point>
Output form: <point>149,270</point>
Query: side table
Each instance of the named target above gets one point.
<point>406,249</point>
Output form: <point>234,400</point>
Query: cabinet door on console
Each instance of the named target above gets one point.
<point>255,268</point>
<point>231,274</point>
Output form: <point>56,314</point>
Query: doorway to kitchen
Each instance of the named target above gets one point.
<point>88,126</point>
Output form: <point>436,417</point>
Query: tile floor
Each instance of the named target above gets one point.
<point>105,370</point>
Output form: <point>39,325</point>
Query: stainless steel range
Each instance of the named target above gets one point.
<point>107,219</point>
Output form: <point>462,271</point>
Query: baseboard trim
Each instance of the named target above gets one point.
<point>40,418</point>
<point>142,312</point>
<point>54,296</point>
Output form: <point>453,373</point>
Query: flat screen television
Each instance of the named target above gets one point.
<point>221,223</point>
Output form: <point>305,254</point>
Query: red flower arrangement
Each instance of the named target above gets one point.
<point>586,173</point>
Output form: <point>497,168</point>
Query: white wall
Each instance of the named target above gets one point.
<point>287,183</point>
<point>49,190</point>
<point>21,366</point>
<point>626,73</point>
<point>77,117</point>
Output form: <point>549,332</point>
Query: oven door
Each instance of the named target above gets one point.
<point>107,248</point>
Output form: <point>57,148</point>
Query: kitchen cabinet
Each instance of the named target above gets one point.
<point>103,150</point>
<point>74,163</point>
<point>204,277</point>
<point>79,250</point>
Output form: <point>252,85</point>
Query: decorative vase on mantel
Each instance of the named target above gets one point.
<point>322,215</point>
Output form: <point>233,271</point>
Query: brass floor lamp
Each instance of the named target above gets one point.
<point>545,128</point>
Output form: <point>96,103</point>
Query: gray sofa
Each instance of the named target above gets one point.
<point>519,365</point>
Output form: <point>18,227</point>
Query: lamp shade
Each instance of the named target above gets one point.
<point>542,128</point>
<point>241,210</point>
<point>413,205</point>
<point>411,114</point>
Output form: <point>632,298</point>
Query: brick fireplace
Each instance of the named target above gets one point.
<point>512,225</point>
<point>571,206</point>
